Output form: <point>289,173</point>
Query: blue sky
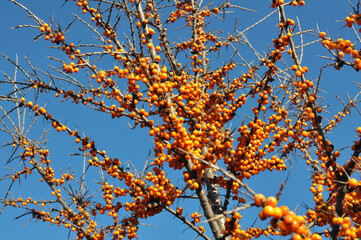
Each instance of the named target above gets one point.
<point>134,145</point>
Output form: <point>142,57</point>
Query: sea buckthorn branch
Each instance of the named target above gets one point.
<point>52,77</point>
<point>199,190</point>
<point>152,49</point>
<point>132,31</point>
<point>339,61</point>
<point>178,215</point>
<point>341,192</point>
<point>37,214</point>
<point>354,18</point>
<point>100,22</point>
<point>203,198</point>
<point>225,173</point>
<point>61,127</point>
<point>74,96</point>
<point>312,106</point>
<point>17,67</point>
<point>59,198</point>
<point>265,82</point>
<point>298,66</point>
<point>342,183</point>
<point>43,112</point>
<point>237,209</point>
<point>39,21</point>
<point>108,30</point>
<point>47,175</point>
<point>256,23</point>
<point>195,106</point>
<point>201,194</point>
<point>93,146</point>
<point>100,37</point>
<point>80,97</point>
<point>342,46</point>
<point>69,50</point>
<point>227,193</point>
<point>167,50</point>
<point>147,31</point>
<point>197,26</point>
<point>283,218</point>
<point>342,113</point>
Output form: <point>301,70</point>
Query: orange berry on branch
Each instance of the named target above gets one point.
<point>268,211</point>
<point>322,34</point>
<point>278,214</point>
<point>259,199</point>
<point>316,236</point>
<point>352,182</point>
<point>271,201</point>
<point>296,237</point>
<point>284,210</point>
<point>151,31</point>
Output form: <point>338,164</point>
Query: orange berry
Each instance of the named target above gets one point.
<point>285,210</point>
<point>316,236</point>
<point>352,182</point>
<point>311,99</point>
<point>271,201</point>
<point>294,67</point>
<point>259,199</point>
<point>268,211</point>
<point>288,219</point>
<point>322,34</point>
<point>339,221</point>
<point>305,134</point>
<point>261,215</point>
<point>151,31</point>
<point>296,237</point>
<point>294,225</point>
<point>278,214</point>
